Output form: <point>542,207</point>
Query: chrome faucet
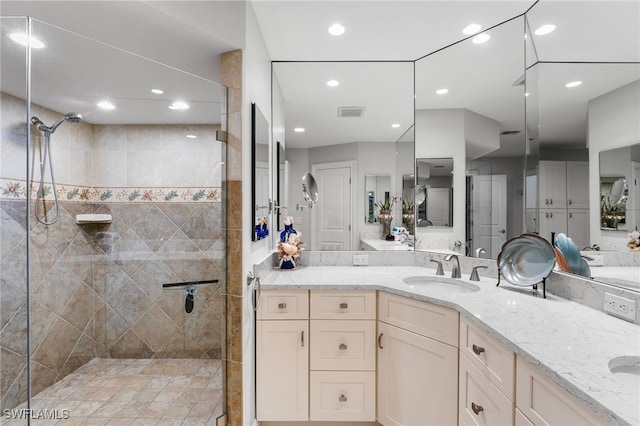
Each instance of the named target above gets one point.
<point>455,269</point>
<point>407,239</point>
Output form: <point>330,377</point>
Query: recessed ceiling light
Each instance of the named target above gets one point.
<point>395,125</point>
<point>526,93</point>
<point>191,136</point>
<point>179,105</point>
<point>573,84</point>
<point>299,129</point>
<point>545,29</point>
<point>157,91</point>
<point>333,83</point>
<point>481,38</point>
<point>442,91</point>
<point>106,105</point>
<point>24,39</point>
<point>336,30</point>
<point>471,29</point>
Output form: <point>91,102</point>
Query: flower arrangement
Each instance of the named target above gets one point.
<point>612,212</point>
<point>289,246</point>
<point>387,204</point>
<point>407,205</point>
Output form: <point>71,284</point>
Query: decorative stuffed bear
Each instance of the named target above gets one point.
<point>634,240</point>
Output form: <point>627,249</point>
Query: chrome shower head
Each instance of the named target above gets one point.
<point>72,117</point>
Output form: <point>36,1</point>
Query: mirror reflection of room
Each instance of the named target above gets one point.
<point>619,174</point>
<point>377,190</point>
<point>434,192</point>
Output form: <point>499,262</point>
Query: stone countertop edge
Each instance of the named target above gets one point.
<point>547,333</point>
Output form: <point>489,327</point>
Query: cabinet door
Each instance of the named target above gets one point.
<point>578,184</point>
<point>417,379</point>
<point>552,221</point>
<point>282,370</point>
<point>553,185</point>
<point>578,227</point>
<point>544,403</point>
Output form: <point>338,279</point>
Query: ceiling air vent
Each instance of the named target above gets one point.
<point>351,111</point>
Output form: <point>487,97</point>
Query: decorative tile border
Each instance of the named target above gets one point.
<point>17,189</point>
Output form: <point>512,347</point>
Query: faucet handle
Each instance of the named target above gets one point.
<point>440,271</point>
<point>474,273</point>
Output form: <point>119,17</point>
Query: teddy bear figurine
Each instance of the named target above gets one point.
<point>634,240</point>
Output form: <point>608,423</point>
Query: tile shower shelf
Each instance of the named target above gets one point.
<point>84,219</point>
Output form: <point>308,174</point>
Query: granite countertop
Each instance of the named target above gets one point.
<point>569,343</point>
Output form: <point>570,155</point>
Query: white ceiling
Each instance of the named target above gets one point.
<point>189,35</point>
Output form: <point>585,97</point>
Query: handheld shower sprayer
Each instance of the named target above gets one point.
<point>48,131</point>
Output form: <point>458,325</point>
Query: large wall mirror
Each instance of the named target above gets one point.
<point>479,124</point>
<point>340,128</point>
<point>582,123</point>
<point>260,173</point>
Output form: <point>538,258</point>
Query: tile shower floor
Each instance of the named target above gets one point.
<point>135,392</point>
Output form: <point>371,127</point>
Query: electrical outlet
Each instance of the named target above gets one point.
<point>360,259</point>
<point>620,306</point>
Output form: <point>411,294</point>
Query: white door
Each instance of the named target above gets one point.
<point>332,215</point>
<point>417,379</point>
<point>438,211</point>
<point>489,213</point>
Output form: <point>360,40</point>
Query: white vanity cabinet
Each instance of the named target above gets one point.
<point>563,199</point>
<point>342,356</point>
<point>417,362</point>
<point>541,402</point>
<point>487,379</point>
<point>282,356</point>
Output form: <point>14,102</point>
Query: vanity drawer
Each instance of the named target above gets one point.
<point>480,401</point>
<point>545,403</point>
<point>425,319</point>
<point>493,359</point>
<point>343,304</point>
<point>343,345</point>
<point>275,304</point>
<point>342,396</point>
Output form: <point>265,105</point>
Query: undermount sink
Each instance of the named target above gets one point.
<point>626,371</point>
<point>442,286</point>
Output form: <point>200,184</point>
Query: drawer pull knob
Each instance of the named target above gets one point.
<point>476,408</point>
<point>380,341</point>
<point>344,305</point>
<point>282,306</point>
<point>478,349</point>
<point>342,347</point>
<point>342,398</point>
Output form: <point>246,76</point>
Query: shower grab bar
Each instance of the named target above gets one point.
<point>188,283</point>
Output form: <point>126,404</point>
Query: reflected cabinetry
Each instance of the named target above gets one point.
<point>563,200</point>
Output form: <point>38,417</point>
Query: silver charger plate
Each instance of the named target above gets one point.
<point>526,260</point>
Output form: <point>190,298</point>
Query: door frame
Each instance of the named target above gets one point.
<point>351,164</point>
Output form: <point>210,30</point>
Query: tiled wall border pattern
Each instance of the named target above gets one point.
<point>17,189</point>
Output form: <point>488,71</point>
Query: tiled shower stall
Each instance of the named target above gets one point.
<point>72,292</point>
